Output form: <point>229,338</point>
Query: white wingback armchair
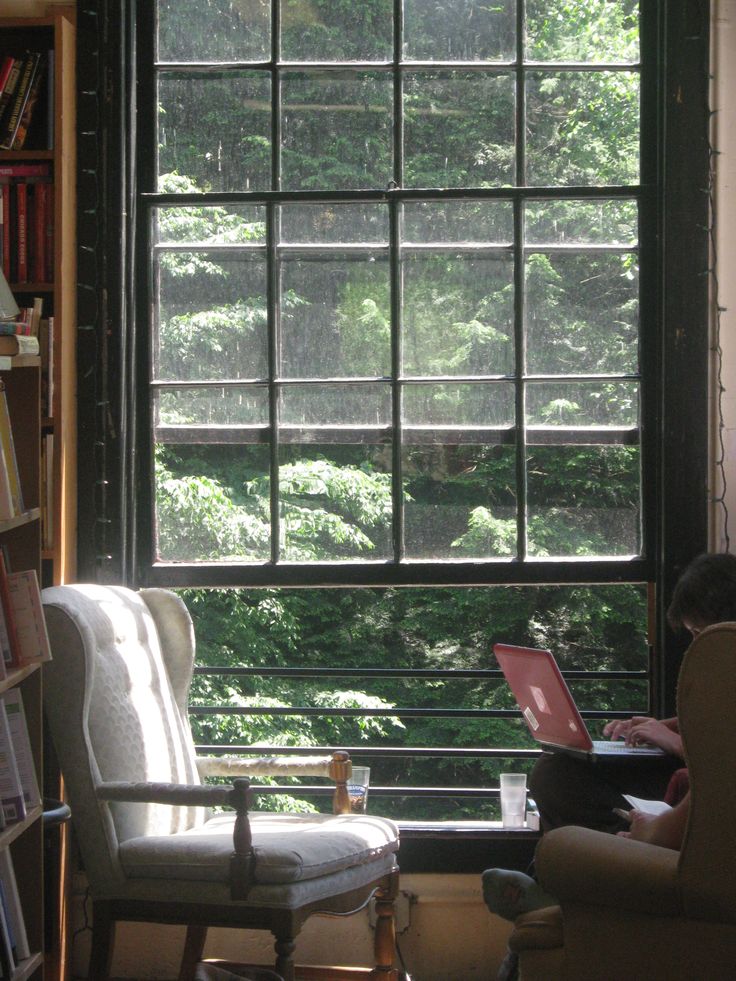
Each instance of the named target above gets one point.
<point>116,705</point>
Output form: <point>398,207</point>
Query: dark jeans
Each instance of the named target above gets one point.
<point>568,790</point>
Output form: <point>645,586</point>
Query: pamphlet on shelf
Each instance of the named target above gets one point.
<point>30,623</point>
<point>15,910</point>
<point>11,791</point>
<point>22,747</point>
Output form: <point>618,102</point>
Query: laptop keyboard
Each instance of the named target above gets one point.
<point>610,747</point>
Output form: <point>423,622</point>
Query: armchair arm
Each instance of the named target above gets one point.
<point>578,865</point>
<point>242,861</point>
<point>336,767</point>
<point>177,794</point>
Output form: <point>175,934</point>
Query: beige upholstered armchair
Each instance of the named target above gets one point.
<point>632,910</point>
<point>116,703</point>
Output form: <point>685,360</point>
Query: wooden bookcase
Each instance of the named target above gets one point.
<point>21,538</point>
<point>55,31</point>
<point>51,139</point>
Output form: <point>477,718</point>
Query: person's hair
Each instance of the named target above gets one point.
<point>705,592</point>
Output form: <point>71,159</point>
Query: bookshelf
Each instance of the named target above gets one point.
<point>20,537</point>
<point>51,141</point>
<point>50,147</point>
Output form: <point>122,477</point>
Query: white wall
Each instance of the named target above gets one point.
<point>724,141</point>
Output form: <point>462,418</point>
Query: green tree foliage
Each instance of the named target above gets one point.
<point>458,306</point>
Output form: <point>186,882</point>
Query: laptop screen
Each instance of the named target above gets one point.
<point>543,696</point>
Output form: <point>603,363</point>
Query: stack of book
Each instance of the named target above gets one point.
<point>19,793</point>
<point>23,78</point>
<point>26,222</point>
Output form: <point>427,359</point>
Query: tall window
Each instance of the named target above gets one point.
<point>395,282</point>
<point>398,326</point>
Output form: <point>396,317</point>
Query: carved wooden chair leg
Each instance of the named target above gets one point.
<point>284,948</point>
<point>103,938</point>
<point>193,950</point>
<point>385,937</point>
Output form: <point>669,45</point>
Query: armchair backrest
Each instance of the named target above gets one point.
<point>116,704</point>
<point>706,702</point>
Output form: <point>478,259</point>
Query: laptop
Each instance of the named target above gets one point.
<point>548,707</point>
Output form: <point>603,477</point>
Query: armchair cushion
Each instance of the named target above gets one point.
<point>288,848</point>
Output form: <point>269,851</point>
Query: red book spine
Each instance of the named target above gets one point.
<point>21,191</point>
<point>39,232</point>
<point>49,249</point>
<point>5,188</point>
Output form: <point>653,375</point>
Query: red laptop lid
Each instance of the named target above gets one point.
<point>543,697</point>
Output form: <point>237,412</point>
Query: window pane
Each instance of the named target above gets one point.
<point>582,313</point>
<point>454,406</point>
<point>583,501</point>
<point>336,32</point>
<point>215,129</point>
<point>457,222</point>
<point>215,225</point>
<point>459,129</point>
<point>219,30</point>
<point>213,323</point>
<point>336,130</point>
<point>312,224</point>
<point>581,222</point>
<point>212,503</point>
<point>325,407</point>
<point>464,30</point>
<point>583,128</point>
<point>584,30</point>
<point>212,406</point>
<point>583,404</point>
<point>458,315</point>
<point>458,500</point>
<point>335,502</point>
<point>335,317</point>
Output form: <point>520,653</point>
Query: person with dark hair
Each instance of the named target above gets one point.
<point>574,791</point>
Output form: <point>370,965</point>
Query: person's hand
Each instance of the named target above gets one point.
<point>620,728</point>
<point>651,732</point>
<point>643,827</point>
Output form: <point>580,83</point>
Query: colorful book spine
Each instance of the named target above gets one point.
<point>26,117</point>
<point>7,445</point>
<point>16,714</point>
<point>30,623</point>
<point>12,122</point>
<point>12,77</point>
<point>11,792</point>
<point>21,243</point>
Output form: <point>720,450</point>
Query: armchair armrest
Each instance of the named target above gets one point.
<point>242,860</point>
<point>578,865</point>
<point>177,794</point>
<point>336,767</point>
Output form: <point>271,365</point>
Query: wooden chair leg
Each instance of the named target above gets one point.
<point>193,950</point>
<point>284,948</point>
<point>103,941</point>
<point>384,946</point>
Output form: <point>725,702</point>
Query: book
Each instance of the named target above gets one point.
<point>647,806</point>
<point>15,909</point>
<point>39,211</point>
<point>11,791</point>
<point>13,118</point>
<point>12,77</point>
<point>46,344</point>
<point>7,505</point>
<point>6,654</point>
<point>25,170</point>
<point>8,960</point>
<point>15,327</point>
<point>8,615</point>
<point>13,344</point>
<point>22,747</point>
<point>5,193</point>
<point>7,447</point>
<point>26,117</point>
<point>6,67</point>
<point>21,232</point>
<point>30,623</point>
